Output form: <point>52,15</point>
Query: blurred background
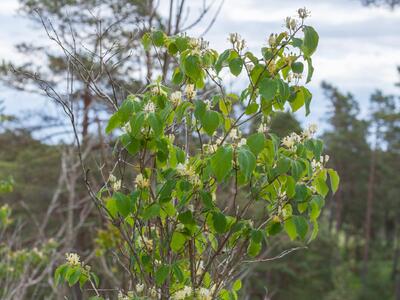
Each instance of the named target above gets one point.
<point>356,105</point>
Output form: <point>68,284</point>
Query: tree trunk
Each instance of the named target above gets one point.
<point>368,214</point>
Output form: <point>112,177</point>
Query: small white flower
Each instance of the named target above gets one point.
<point>326,159</point>
<point>142,182</point>
<point>149,108</point>
<point>290,23</point>
<point>116,185</point>
<point>316,165</point>
<point>208,104</point>
<point>242,142</point>
<point>262,128</point>
<point>185,169</point>
<point>190,91</point>
<point>112,178</point>
<point>234,134</point>
<point>303,13</point>
<point>176,98</point>
<point>72,259</point>
<point>291,140</point>
<point>310,131</point>
<point>272,40</point>
<point>237,41</point>
<point>127,127</point>
<point>140,287</point>
<point>155,90</point>
<point>183,293</point>
<point>147,242</point>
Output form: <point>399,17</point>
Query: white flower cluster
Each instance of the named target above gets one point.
<point>140,287</point>
<point>272,40</point>
<point>210,148</point>
<point>145,241</point>
<point>190,91</point>
<point>188,171</point>
<point>72,259</point>
<point>202,293</point>
<point>303,13</point>
<point>176,98</point>
<point>319,165</point>
<point>235,134</point>
<point>156,90</point>
<point>149,108</point>
<point>121,296</point>
<point>293,139</point>
<point>291,23</point>
<point>263,128</point>
<point>142,182</point>
<point>237,41</point>
<point>310,131</point>
<point>115,184</point>
<point>208,104</point>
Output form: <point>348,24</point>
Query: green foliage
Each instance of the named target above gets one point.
<point>187,148</point>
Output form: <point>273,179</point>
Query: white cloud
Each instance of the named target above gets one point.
<point>8,7</point>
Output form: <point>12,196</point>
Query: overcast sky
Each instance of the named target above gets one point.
<point>358,52</point>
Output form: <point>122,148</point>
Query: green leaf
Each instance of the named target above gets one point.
<point>178,273</point>
<point>290,187</point>
<point>251,109</point>
<point>303,96</point>
<point>310,70</point>
<point>178,76</point>
<point>192,67</point>
<point>162,274</point>
<point>131,145</point>
<point>297,67</point>
<point>186,217</point>
<point>253,249</point>
<point>247,161</point>
<point>256,142</point>
<point>316,204</point>
<point>301,226</point>
<point>268,88</point>
<point>282,166</point>
<point>156,123</point>
<point>334,179</point>
<point>236,66</point>
<point>221,162</point>
<point>221,59</point>
<point>146,41</point>
<point>210,122</point>
<point>165,193</point>
<point>237,285</point>
<point>158,38</point>
<point>206,198</point>
<point>297,169</point>
<point>113,123</point>
<point>73,275</point>
<point>136,123</point>
<point>59,274</point>
<point>178,241</point>
<point>320,185</point>
<point>314,232</point>
<point>124,204</point>
<point>310,42</point>
<point>219,222</point>
<point>290,228</point>
<point>151,211</point>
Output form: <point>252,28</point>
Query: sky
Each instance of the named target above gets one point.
<point>358,52</point>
